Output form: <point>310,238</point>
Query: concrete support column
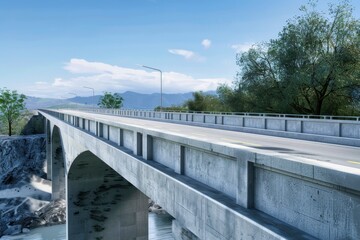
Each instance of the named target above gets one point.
<point>100,132</point>
<point>338,132</point>
<point>265,123</point>
<point>180,161</point>
<point>121,137</point>
<point>48,149</point>
<point>147,147</point>
<point>181,233</point>
<point>245,190</point>
<point>97,128</point>
<point>282,125</point>
<point>138,144</point>
<point>57,166</point>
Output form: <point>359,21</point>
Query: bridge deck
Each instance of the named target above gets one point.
<point>335,156</point>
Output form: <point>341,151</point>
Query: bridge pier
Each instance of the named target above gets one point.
<point>181,233</point>
<point>48,149</point>
<point>57,166</point>
<point>102,204</point>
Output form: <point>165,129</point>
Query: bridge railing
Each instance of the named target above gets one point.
<point>343,130</point>
<point>272,115</point>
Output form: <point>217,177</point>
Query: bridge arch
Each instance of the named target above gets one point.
<point>102,204</point>
<point>57,165</point>
<point>48,149</point>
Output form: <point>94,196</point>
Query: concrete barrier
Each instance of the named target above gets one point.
<point>327,129</point>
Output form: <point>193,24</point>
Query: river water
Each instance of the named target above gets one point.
<point>159,229</point>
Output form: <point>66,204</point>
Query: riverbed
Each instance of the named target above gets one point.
<point>159,229</point>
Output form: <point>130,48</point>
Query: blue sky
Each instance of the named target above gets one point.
<point>51,48</point>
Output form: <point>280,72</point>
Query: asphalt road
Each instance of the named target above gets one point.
<point>324,152</point>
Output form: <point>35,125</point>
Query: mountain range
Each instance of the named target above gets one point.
<point>131,100</point>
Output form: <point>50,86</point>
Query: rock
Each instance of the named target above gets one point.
<point>22,159</point>
<point>51,214</point>
<point>13,230</point>
<point>25,230</point>
<point>155,208</point>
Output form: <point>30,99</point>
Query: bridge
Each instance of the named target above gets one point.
<point>216,183</point>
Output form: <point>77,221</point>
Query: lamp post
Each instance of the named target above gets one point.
<point>160,82</point>
<point>93,90</point>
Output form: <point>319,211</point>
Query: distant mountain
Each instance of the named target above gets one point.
<point>150,101</point>
<point>131,100</point>
<point>36,103</point>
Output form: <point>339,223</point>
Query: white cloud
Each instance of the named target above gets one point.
<point>181,52</point>
<point>59,82</point>
<point>206,43</point>
<point>189,55</point>
<point>242,47</point>
<point>105,77</point>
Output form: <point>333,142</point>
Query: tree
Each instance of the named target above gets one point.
<point>11,105</point>
<point>204,102</point>
<point>313,67</point>
<point>173,108</point>
<point>110,100</point>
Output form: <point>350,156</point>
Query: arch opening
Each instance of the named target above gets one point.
<point>57,165</point>
<point>102,204</point>
<point>48,149</point>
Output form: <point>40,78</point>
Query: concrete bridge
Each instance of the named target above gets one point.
<point>217,184</point>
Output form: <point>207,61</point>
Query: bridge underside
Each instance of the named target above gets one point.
<point>102,204</point>
<point>57,166</point>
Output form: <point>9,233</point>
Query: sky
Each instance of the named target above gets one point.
<point>55,49</point>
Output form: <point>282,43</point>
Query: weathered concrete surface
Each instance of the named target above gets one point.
<point>253,182</point>
<point>181,233</point>
<point>57,165</point>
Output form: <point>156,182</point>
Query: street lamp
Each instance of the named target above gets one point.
<point>160,82</point>
<point>93,90</point>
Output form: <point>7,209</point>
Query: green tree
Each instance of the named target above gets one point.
<point>173,108</point>
<point>11,105</point>
<point>110,100</point>
<point>204,102</point>
<point>313,67</point>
